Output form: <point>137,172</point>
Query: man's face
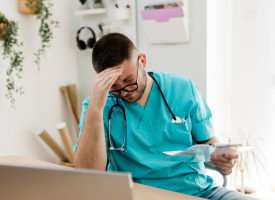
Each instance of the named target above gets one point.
<point>129,76</point>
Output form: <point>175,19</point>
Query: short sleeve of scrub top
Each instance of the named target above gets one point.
<point>201,117</point>
<point>82,119</point>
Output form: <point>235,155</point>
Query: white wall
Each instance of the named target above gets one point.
<point>184,59</point>
<point>218,70</point>
<point>240,73</point>
<point>42,105</point>
<point>219,63</point>
<point>253,88</point>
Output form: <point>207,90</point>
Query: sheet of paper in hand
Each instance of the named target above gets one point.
<point>203,152</point>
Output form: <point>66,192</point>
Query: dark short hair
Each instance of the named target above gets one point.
<point>111,50</point>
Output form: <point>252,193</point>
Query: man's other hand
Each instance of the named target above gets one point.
<point>225,162</point>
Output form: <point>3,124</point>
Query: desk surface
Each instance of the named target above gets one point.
<point>141,192</point>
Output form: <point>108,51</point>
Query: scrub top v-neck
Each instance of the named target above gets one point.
<point>150,132</point>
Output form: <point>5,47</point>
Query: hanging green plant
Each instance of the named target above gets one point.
<point>45,29</point>
<point>8,34</point>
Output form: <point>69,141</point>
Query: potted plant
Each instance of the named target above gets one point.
<point>8,34</point>
<point>45,30</point>
<point>248,159</point>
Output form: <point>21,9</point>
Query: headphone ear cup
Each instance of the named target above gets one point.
<point>91,42</point>
<point>81,45</point>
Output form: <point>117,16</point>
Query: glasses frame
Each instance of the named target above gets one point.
<point>125,90</point>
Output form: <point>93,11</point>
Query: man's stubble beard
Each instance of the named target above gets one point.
<point>140,90</point>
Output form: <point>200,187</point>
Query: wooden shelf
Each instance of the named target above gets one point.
<point>91,11</point>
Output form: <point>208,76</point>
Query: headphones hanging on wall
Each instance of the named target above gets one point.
<point>90,43</point>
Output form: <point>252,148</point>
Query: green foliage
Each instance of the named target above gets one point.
<point>15,56</point>
<point>251,158</point>
<point>100,26</point>
<point>82,1</point>
<point>45,29</point>
<point>3,19</point>
<point>98,1</point>
<point>254,157</point>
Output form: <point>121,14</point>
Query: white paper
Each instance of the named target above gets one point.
<point>202,153</point>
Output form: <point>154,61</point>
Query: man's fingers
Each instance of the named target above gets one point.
<point>103,76</point>
<point>111,80</point>
<point>101,82</point>
<point>220,158</point>
<point>224,164</point>
<point>107,71</point>
<point>231,156</point>
<point>224,169</point>
<point>225,159</point>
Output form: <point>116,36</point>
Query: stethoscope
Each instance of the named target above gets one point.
<point>122,148</point>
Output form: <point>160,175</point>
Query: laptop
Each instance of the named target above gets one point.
<point>18,182</point>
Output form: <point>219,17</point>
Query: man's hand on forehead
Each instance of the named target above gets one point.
<point>108,71</point>
<point>101,85</point>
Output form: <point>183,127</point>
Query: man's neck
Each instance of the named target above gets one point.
<point>143,100</point>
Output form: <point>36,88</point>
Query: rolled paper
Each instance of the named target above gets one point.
<point>66,138</point>
<point>42,133</point>
<point>75,101</point>
<point>64,89</point>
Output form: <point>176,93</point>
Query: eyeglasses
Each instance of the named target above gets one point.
<point>128,88</point>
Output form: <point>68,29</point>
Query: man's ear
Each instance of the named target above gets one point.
<point>142,59</point>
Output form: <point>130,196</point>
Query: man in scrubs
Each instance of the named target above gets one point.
<point>149,129</point>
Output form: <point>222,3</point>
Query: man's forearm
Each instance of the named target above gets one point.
<point>211,141</point>
<point>91,150</point>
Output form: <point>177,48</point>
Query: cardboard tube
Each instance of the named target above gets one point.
<point>52,144</point>
<point>66,138</point>
<point>66,93</point>
<point>74,99</point>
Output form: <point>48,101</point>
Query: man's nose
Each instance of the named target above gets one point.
<point>122,93</point>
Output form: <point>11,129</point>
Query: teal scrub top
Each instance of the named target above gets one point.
<point>150,132</point>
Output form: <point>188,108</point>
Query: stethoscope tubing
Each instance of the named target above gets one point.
<point>174,117</point>
<point>111,146</point>
<point>124,115</point>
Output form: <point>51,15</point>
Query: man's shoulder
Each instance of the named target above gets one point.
<point>86,102</point>
<point>171,78</point>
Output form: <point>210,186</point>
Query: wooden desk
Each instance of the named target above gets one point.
<point>141,192</point>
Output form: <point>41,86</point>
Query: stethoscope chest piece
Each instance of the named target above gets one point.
<point>178,120</point>
<point>119,149</point>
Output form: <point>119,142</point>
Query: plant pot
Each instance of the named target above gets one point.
<point>98,5</point>
<point>123,13</point>
<point>2,31</point>
<point>84,6</point>
<point>32,9</point>
<point>109,29</point>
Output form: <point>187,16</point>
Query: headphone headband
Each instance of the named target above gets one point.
<point>78,32</point>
